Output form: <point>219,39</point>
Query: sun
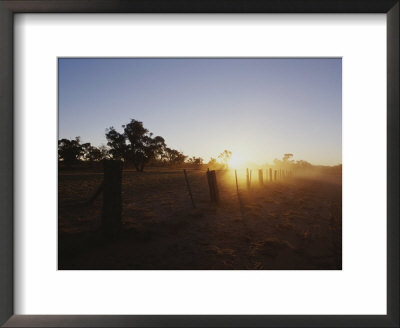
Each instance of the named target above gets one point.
<point>236,161</point>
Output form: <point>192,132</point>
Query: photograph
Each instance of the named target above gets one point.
<point>199,163</point>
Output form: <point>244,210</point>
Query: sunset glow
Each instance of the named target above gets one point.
<point>200,164</point>
<point>236,161</point>
<point>262,107</point>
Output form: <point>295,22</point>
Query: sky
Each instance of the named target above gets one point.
<point>258,108</point>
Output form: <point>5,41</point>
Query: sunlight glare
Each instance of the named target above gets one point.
<point>236,161</point>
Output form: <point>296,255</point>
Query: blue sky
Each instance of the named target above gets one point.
<point>257,108</point>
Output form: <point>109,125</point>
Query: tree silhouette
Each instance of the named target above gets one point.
<point>117,143</point>
<point>105,153</point>
<point>303,164</point>
<point>286,157</point>
<point>224,157</point>
<point>70,151</point>
<point>91,153</point>
<point>195,161</point>
<point>135,144</point>
<point>173,157</point>
<point>286,162</point>
<point>212,163</point>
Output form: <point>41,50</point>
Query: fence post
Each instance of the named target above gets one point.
<point>212,184</point>
<point>188,186</point>
<point>260,177</point>
<point>112,199</point>
<point>237,187</point>
<point>270,174</point>
<point>247,178</point>
<point>275,173</point>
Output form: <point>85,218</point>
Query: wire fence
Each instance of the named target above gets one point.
<point>120,197</point>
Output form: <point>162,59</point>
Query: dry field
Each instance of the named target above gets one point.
<point>292,224</point>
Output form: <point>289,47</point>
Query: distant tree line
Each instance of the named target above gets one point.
<point>288,163</point>
<point>72,151</point>
<point>136,145</point>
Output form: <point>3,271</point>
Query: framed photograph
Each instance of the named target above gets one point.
<point>186,200</point>
<point>199,164</point>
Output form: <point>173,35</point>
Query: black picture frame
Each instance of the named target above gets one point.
<point>10,7</point>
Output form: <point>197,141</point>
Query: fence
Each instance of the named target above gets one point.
<point>239,181</point>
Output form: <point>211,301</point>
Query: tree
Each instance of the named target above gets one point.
<point>173,157</point>
<point>286,157</point>
<point>105,154</point>
<point>303,165</point>
<point>70,151</point>
<point>117,143</point>
<point>135,144</point>
<point>224,157</point>
<point>286,161</point>
<point>212,163</point>
<point>195,161</point>
<point>91,153</point>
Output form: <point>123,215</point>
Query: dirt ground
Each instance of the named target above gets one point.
<point>294,223</point>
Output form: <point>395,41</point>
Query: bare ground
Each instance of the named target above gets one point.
<point>293,223</point>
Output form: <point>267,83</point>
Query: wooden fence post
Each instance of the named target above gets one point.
<point>212,184</point>
<point>189,190</point>
<point>260,177</point>
<point>112,199</point>
<point>270,174</point>
<point>237,187</point>
<point>275,173</point>
<point>247,178</point>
